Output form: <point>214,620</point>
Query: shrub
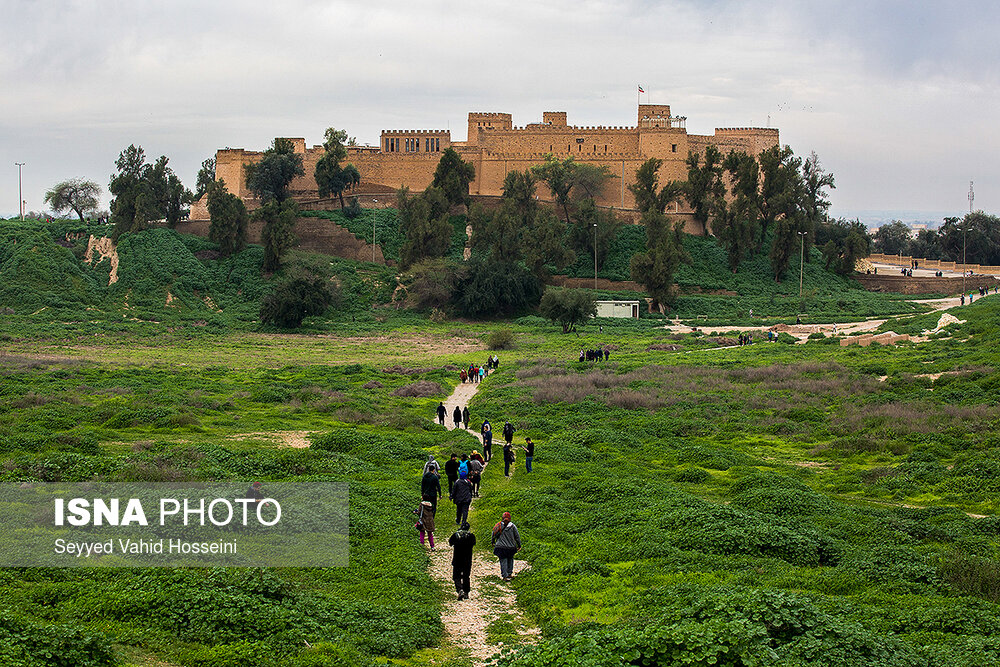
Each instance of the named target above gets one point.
<point>501,339</point>
<point>419,389</point>
<point>295,300</point>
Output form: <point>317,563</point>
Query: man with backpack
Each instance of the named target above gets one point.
<point>506,542</point>
<point>451,470</point>
<point>508,432</point>
<point>461,560</point>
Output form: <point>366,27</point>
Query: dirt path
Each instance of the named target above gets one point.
<point>802,331</point>
<point>490,599</point>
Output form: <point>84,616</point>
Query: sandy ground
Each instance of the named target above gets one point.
<point>489,598</point>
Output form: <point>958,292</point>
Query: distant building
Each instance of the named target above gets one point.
<point>623,309</point>
<point>496,147</point>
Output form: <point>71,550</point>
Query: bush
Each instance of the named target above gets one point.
<point>501,339</point>
<point>295,300</point>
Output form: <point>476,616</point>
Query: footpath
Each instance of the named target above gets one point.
<point>490,600</point>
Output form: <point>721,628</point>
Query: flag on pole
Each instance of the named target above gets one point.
<point>641,90</point>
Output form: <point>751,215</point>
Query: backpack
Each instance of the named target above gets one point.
<point>497,529</point>
<point>464,465</point>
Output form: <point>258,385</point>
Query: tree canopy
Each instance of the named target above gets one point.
<point>425,225</point>
<point>568,307</point>
<point>654,269</point>
<point>228,217</point>
<point>453,176</point>
<point>145,192</point>
<point>269,178</point>
<point>76,194</point>
<point>332,178</point>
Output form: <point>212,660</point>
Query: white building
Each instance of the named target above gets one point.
<point>627,309</point>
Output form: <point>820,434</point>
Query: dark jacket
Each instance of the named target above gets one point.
<point>508,430</point>
<point>441,410</point>
<point>507,538</point>
<point>461,493</point>
<point>463,541</point>
<point>430,486</point>
<point>458,414</point>
<point>451,468</point>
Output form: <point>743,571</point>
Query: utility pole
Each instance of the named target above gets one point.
<point>965,223</point>
<point>595,255</point>
<point>20,200</point>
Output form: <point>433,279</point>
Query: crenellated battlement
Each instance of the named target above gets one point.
<point>756,130</point>
<point>435,132</point>
<point>495,147</point>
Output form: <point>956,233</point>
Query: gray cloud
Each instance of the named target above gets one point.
<point>894,96</point>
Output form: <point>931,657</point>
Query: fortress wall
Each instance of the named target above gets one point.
<point>560,141</point>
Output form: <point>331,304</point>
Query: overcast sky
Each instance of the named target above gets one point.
<point>898,98</point>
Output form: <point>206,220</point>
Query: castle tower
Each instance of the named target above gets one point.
<point>486,121</point>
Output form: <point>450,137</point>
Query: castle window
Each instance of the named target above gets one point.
<point>605,148</point>
<point>673,148</point>
<point>437,143</point>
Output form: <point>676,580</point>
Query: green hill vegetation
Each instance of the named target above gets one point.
<point>690,504</point>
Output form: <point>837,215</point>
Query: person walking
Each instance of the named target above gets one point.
<point>508,459</point>
<point>506,542</point>
<point>462,540</point>
<point>475,473</point>
<point>508,432</point>
<point>487,433</point>
<point>430,463</point>
<point>529,453</point>
<point>441,413</point>
<point>457,416</point>
<point>461,494</point>
<point>465,417</point>
<point>482,373</point>
<point>430,488</point>
<point>451,470</point>
<point>425,522</point>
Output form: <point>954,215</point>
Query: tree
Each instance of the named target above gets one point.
<point>566,177</point>
<point>780,203</point>
<point>488,288</point>
<point>169,194</point>
<point>430,284</point>
<point>568,307</point>
<point>976,237</point>
<point>647,197</point>
<point>815,181</point>
<point>519,189</point>
<point>497,234</point>
<point>269,178</point>
<point>586,215</point>
<point>543,243</point>
<point>331,178</point>
<point>76,194</point>
<point>893,238</point>
<point>135,202</point>
<point>842,243</point>
<point>277,235</point>
<point>558,175</point>
<point>453,175</point>
<point>655,268</point>
<point>228,217</point>
<point>735,226</point>
<point>425,225</point>
<point>704,189</point>
<point>206,176</point>
<point>295,300</point>
<point>926,244</point>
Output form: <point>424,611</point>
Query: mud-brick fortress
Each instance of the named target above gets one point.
<point>495,147</point>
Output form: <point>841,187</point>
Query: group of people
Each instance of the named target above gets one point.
<point>460,415</point>
<point>746,338</point>
<point>476,372</point>
<point>597,354</point>
<point>464,473</point>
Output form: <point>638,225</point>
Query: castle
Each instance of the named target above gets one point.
<point>496,147</point>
